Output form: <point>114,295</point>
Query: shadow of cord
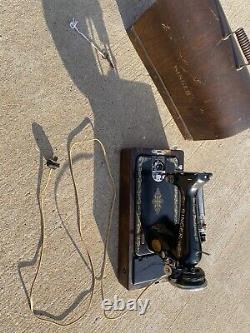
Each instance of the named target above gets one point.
<point>46,152</point>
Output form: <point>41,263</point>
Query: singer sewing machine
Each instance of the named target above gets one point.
<point>162,224</point>
<point>199,66</point>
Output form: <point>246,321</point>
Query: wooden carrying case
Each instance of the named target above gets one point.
<point>196,62</point>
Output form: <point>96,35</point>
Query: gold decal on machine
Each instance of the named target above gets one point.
<point>157,201</point>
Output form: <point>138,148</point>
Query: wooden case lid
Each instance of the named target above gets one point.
<point>183,46</point>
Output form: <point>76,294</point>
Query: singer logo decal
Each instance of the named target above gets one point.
<point>157,201</point>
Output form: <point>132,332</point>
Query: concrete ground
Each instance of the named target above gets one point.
<point>52,85</point>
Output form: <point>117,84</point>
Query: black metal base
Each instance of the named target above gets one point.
<point>190,279</point>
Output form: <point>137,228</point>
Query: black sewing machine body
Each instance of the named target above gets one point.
<point>161,219</point>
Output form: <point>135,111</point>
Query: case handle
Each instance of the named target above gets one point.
<point>244,44</point>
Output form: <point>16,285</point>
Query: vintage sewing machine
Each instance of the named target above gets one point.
<point>162,224</point>
<point>199,66</point>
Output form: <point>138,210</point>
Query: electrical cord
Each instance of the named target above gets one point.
<point>42,198</point>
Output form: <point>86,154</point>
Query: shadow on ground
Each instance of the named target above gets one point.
<point>125,113</point>
<point>46,153</point>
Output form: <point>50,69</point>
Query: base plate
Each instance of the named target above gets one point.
<point>144,202</point>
